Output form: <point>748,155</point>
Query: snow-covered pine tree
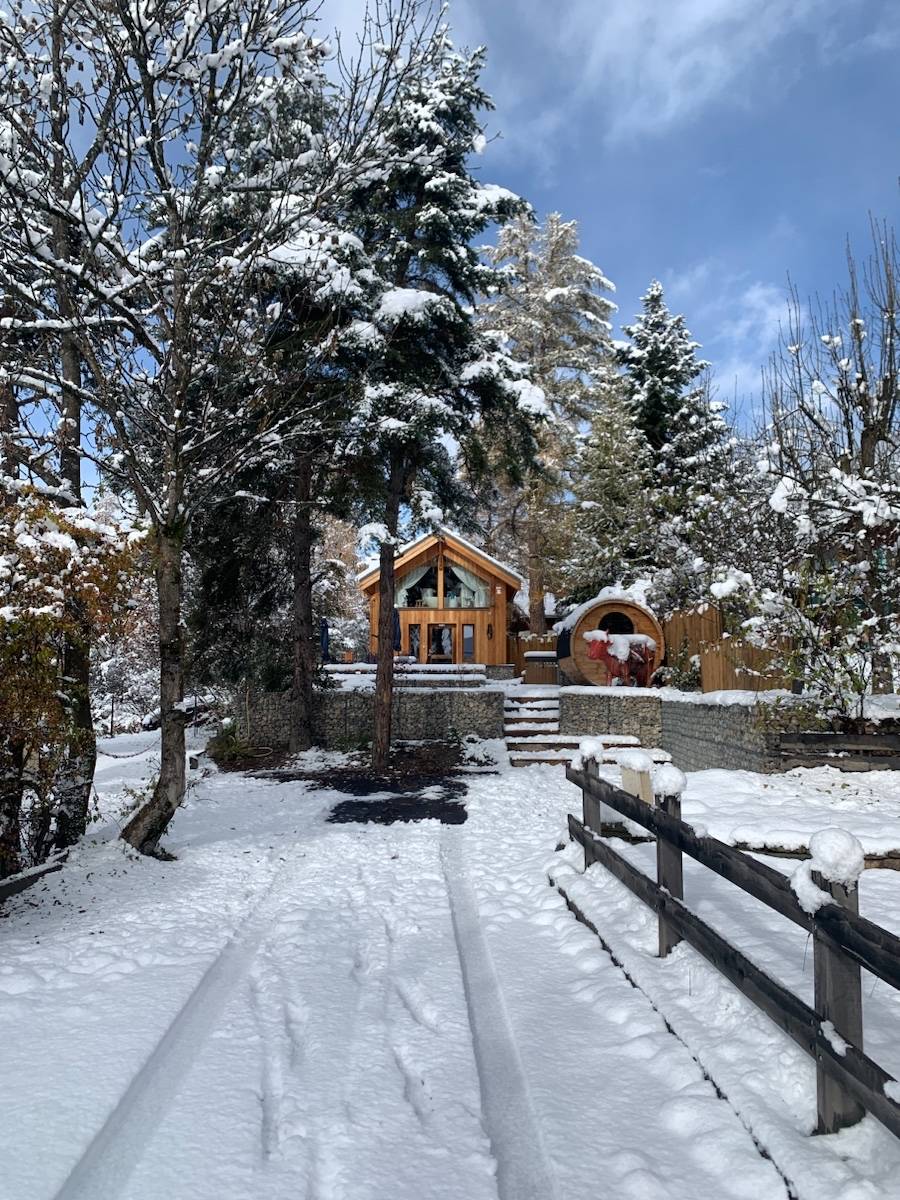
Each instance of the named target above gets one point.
<point>660,366</point>
<point>553,310</point>
<point>614,522</point>
<point>434,377</point>
<point>669,391</point>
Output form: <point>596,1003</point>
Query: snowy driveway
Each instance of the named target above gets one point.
<point>343,1012</point>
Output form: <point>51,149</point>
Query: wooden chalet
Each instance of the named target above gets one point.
<point>453,601</point>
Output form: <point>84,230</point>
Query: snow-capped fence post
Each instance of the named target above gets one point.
<point>835,866</point>
<point>666,787</point>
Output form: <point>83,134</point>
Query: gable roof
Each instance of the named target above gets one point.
<point>509,576</point>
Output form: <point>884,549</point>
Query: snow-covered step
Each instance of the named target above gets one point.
<point>532,706</point>
<point>523,727</point>
<point>567,741</point>
<point>561,757</point>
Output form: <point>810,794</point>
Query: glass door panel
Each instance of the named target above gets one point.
<point>441,643</point>
<point>468,643</point>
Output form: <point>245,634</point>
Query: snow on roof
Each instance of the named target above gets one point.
<point>445,531</point>
<point>635,594</point>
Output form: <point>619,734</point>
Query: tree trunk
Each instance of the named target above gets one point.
<point>150,822</point>
<point>75,774</point>
<point>537,618</point>
<point>12,766</point>
<point>304,660</point>
<point>384,674</point>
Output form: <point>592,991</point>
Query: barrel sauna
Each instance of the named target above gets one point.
<point>614,617</point>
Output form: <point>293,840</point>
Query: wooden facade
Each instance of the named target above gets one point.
<point>453,602</point>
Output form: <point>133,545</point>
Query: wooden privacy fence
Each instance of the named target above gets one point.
<point>687,632</point>
<point>732,664</point>
<point>848,1081</point>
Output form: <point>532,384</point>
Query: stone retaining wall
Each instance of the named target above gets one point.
<point>604,710</point>
<point>726,736</point>
<point>698,736</point>
<point>344,719</point>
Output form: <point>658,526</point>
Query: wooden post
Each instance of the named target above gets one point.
<point>838,999</point>
<point>591,809</point>
<point>669,873</point>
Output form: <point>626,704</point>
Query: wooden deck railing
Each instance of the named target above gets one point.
<point>848,1081</point>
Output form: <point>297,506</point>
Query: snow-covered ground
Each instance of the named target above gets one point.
<point>366,1012</point>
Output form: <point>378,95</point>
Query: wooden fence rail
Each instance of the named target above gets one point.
<point>848,1081</point>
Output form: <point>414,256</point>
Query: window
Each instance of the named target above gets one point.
<point>465,589</point>
<point>468,643</point>
<point>617,622</point>
<point>418,587</point>
<point>415,641</point>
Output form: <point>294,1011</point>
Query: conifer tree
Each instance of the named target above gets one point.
<point>668,389</point>
<point>614,521</point>
<point>554,311</point>
<point>660,366</point>
<point>432,375</point>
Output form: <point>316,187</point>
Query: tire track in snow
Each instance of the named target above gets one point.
<point>111,1156</point>
<point>523,1168</point>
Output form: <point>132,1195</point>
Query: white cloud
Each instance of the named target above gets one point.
<point>661,64</point>
<point>738,320</point>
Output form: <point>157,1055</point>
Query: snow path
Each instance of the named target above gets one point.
<point>523,1172</point>
<point>302,1011</point>
<point>104,1168</point>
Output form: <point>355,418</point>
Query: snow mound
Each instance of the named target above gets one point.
<point>837,855</point>
<point>668,780</point>
<point>590,749</point>
<point>635,760</point>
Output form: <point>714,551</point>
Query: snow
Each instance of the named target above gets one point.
<point>407,303</point>
<point>590,749</point>
<point>352,1012</point>
<point>718,699</point>
<point>837,855</point>
<point>620,644</point>
<point>668,780</point>
<point>636,760</point>
<point>783,812</point>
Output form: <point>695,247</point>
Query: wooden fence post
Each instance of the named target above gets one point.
<point>591,808</point>
<point>838,999</point>
<point>669,873</point>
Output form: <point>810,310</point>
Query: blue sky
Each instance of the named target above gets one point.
<point>718,145</point>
